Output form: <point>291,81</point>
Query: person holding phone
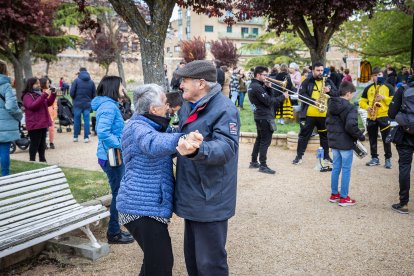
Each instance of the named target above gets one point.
<point>376,99</point>
<point>310,116</point>
<point>45,85</point>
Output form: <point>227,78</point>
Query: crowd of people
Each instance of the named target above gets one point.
<point>137,156</point>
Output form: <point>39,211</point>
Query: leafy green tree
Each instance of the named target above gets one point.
<point>384,38</point>
<point>285,48</point>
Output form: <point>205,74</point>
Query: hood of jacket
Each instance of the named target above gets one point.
<point>84,75</point>
<point>4,79</point>
<point>338,105</point>
<point>98,101</point>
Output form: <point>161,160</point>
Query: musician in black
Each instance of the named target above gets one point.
<point>402,109</point>
<point>310,116</point>
<point>264,102</point>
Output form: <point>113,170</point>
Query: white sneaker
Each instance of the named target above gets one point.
<point>86,140</point>
<point>75,139</point>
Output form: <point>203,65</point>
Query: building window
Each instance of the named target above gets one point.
<point>123,27</point>
<point>187,32</point>
<point>177,49</point>
<point>125,46</point>
<point>208,46</point>
<point>180,17</point>
<point>188,13</point>
<point>244,31</point>
<point>134,46</point>
<point>208,28</point>
<point>256,31</point>
<point>180,34</point>
<point>229,29</point>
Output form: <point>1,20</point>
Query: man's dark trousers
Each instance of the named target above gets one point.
<point>405,153</point>
<point>372,128</point>
<point>263,141</point>
<point>306,129</point>
<point>204,248</point>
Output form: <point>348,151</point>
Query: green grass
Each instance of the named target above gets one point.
<point>85,185</point>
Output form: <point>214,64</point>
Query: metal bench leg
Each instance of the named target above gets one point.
<point>88,232</point>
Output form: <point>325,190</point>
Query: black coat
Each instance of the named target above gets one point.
<point>264,100</point>
<point>306,89</point>
<point>342,124</point>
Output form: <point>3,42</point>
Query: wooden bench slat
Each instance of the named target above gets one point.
<point>38,218</point>
<point>24,178</point>
<point>36,212</point>
<point>33,188</point>
<point>53,225</point>
<point>32,201</point>
<point>14,199</point>
<point>15,248</point>
<point>25,173</point>
<point>30,182</point>
<point>36,206</point>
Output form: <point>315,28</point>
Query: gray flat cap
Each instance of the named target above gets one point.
<point>198,69</point>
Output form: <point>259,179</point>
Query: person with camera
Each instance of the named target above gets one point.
<point>10,115</point>
<point>109,126</point>
<point>45,85</point>
<point>36,103</point>
<point>402,110</point>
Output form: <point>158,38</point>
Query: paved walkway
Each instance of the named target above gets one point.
<point>284,224</point>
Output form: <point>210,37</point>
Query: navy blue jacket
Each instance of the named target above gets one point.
<point>83,91</point>
<point>206,181</point>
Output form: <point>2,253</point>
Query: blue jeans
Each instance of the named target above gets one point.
<point>115,175</point>
<point>241,98</point>
<point>233,96</point>
<point>77,112</point>
<point>5,158</point>
<point>342,162</point>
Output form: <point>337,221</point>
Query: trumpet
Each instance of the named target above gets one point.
<point>322,106</point>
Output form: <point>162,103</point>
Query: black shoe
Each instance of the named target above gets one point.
<point>328,160</point>
<point>266,169</point>
<point>297,160</point>
<point>254,165</point>
<point>402,209</point>
<point>121,238</point>
<point>52,146</point>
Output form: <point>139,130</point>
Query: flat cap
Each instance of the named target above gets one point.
<point>198,69</point>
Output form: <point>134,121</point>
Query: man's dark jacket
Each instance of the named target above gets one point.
<point>83,91</point>
<point>342,124</point>
<point>264,100</point>
<point>205,190</point>
<point>306,89</point>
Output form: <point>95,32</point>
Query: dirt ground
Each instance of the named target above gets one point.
<point>284,224</point>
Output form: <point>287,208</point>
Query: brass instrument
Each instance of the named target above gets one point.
<point>282,88</point>
<point>323,97</point>
<point>375,104</point>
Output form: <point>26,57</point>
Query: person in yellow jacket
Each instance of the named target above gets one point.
<point>380,118</point>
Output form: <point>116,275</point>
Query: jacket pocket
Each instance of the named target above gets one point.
<point>211,182</point>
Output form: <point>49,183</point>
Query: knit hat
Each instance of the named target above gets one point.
<point>198,69</point>
<point>376,71</point>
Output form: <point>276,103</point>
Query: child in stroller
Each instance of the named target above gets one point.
<point>65,114</point>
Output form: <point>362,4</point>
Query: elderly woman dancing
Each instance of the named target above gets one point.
<point>145,198</point>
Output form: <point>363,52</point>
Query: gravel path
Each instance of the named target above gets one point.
<point>284,223</point>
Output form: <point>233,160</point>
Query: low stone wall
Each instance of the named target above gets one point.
<point>289,140</point>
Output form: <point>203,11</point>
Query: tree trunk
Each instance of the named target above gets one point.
<point>121,71</point>
<point>47,67</point>
<point>18,78</point>
<point>152,54</point>
<point>318,55</point>
<point>151,35</point>
<point>26,60</point>
<point>106,70</point>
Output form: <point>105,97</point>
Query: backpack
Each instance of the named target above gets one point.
<point>405,117</point>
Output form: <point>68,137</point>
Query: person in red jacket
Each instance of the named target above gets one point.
<point>36,103</point>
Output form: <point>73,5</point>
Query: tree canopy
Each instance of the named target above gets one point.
<point>314,21</point>
<point>225,51</point>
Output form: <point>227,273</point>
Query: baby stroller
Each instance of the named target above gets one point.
<point>23,143</point>
<point>65,114</point>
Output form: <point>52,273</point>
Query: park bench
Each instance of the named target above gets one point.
<point>37,205</point>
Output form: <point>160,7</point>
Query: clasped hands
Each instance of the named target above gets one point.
<point>189,143</point>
